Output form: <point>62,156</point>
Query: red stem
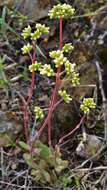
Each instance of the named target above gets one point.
<point>53,103</point>
<point>49,131</point>
<point>51,109</point>
<point>56,104</point>
<point>71,132</point>
<point>30,93</point>
<point>60,33</point>
<point>26,124</point>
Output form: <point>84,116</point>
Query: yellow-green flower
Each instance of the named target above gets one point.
<point>88,103</point>
<point>65,96</point>
<point>59,61</point>
<point>27,48</point>
<point>55,54</point>
<point>36,35</point>
<point>40,30</point>
<point>67,47</point>
<point>75,79</point>
<point>69,67</point>
<point>38,113</point>
<point>58,58</point>
<point>35,66</point>
<point>63,11</point>
<point>26,32</point>
<point>47,70</point>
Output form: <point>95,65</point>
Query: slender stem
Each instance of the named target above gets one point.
<point>49,131</point>
<point>60,33</point>
<point>53,103</point>
<point>43,125</point>
<point>71,132</point>
<point>56,104</point>
<point>26,124</point>
<point>57,84</point>
<point>51,109</point>
<point>30,93</point>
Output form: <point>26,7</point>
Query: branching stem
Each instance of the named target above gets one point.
<point>53,103</point>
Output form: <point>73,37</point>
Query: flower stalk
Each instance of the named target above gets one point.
<point>53,104</point>
<point>30,94</point>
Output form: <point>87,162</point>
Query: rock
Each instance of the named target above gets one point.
<point>9,128</point>
<point>33,9</point>
<point>89,148</point>
<point>66,117</point>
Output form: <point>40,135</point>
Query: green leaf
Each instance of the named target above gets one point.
<point>46,176</point>
<point>45,151</point>
<point>24,145</point>
<point>29,160</point>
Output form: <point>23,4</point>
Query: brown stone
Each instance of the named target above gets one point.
<point>90,147</point>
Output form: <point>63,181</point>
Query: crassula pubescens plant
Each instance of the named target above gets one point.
<point>62,68</point>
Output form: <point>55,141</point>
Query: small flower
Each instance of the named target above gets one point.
<point>47,70</point>
<point>40,30</point>
<point>69,67</point>
<point>36,35</point>
<point>38,112</point>
<point>67,47</point>
<point>63,11</point>
<point>65,96</point>
<point>26,48</point>
<point>55,54</point>
<point>26,32</point>
<point>58,58</point>
<point>88,103</point>
<point>35,66</point>
<point>59,61</point>
<point>75,79</point>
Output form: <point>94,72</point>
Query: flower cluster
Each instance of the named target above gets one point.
<point>63,11</point>
<point>27,48</point>
<point>88,103</point>
<point>67,48</point>
<point>69,68</point>
<point>38,112</point>
<point>65,96</point>
<point>47,70</point>
<point>40,30</point>
<point>58,58</point>
<point>26,32</point>
<point>55,54</point>
<point>75,79</point>
<point>35,67</point>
